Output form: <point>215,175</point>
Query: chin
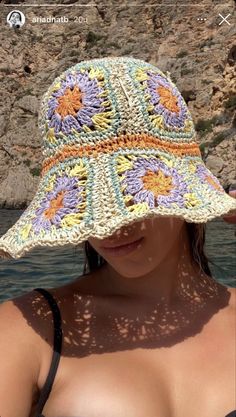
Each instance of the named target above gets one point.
<point>133,268</point>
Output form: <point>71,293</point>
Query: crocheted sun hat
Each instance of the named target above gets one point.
<point>119,146</point>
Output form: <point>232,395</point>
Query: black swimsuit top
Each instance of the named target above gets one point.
<point>57,352</point>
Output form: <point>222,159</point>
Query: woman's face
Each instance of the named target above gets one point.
<point>159,235</point>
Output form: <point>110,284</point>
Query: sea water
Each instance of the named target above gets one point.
<point>54,267</point>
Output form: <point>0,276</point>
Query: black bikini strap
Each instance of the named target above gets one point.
<point>56,348</point>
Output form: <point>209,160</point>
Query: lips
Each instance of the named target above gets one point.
<point>124,250</point>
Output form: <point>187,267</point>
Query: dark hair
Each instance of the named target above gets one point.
<point>196,233</point>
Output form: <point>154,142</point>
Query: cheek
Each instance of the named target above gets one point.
<point>159,237</point>
<point>140,261</point>
<point>154,248</point>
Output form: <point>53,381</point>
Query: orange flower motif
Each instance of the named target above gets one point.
<point>157,182</point>
<point>70,102</point>
<point>55,204</point>
<point>168,99</point>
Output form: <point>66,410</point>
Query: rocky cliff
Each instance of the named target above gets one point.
<point>186,40</point>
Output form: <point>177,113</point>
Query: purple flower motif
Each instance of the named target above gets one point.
<point>206,177</point>
<point>74,103</point>
<point>153,182</point>
<point>58,203</point>
<point>167,100</point>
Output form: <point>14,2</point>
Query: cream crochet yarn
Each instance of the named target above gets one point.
<point>119,146</point>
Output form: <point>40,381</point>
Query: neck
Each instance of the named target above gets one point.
<point>176,278</point>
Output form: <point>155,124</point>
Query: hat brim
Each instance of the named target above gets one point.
<point>95,196</point>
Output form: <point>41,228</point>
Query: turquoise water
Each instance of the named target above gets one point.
<point>46,267</point>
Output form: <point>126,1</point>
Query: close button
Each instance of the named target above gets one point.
<point>224,19</point>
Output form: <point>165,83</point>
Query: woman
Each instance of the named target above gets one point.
<point>147,331</point>
<point>15,19</point>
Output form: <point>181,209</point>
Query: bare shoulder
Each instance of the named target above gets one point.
<point>20,357</point>
<point>23,314</point>
<point>14,311</point>
<point>27,319</point>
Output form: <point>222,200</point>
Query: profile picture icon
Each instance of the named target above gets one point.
<point>16,19</point>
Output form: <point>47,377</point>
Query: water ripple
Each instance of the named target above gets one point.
<point>55,267</point>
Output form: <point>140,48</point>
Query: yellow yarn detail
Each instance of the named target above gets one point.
<point>102,120</point>
<point>141,75</point>
<point>42,233</point>
<point>133,157</point>
<point>103,94</point>
<point>53,230</point>
<point>192,167</point>
<point>96,73</point>
<point>106,103</point>
<point>24,232</point>
<point>50,185</point>
<point>157,120</point>
<point>78,170</point>
<point>188,126</point>
<point>66,171</point>
<point>128,198</point>
<point>123,164</point>
<point>191,200</point>
<point>150,107</point>
<point>72,219</point>
<point>166,161</point>
<point>55,87</point>
<point>139,208</point>
<point>86,129</point>
<point>50,135</point>
<point>82,206</point>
